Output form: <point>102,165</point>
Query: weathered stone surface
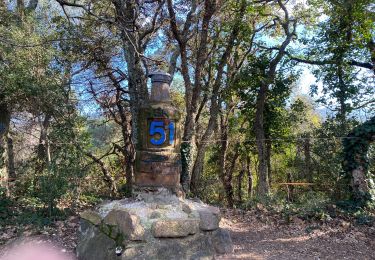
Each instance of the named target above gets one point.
<point>158,197</point>
<point>91,216</point>
<point>209,218</point>
<point>93,244</point>
<point>175,227</point>
<point>222,241</point>
<point>155,214</point>
<point>196,247</point>
<point>126,223</point>
<point>185,208</point>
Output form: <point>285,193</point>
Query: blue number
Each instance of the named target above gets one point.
<point>156,127</point>
<point>171,133</point>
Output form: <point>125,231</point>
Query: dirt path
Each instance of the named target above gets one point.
<point>258,236</point>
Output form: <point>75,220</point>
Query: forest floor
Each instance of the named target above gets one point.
<point>256,234</point>
<point>262,235</point>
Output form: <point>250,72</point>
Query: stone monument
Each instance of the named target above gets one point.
<point>158,161</point>
<point>157,223</point>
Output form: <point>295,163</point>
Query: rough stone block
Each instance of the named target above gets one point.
<point>91,216</point>
<point>175,227</point>
<point>93,244</point>
<point>209,218</point>
<point>126,223</point>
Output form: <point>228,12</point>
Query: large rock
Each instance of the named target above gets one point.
<point>91,216</point>
<point>175,227</point>
<point>209,220</point>
<point>126,223</point>
<point>94,244</point>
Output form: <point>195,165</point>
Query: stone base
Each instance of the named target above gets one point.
<point>156,225</point>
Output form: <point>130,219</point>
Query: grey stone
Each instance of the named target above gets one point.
<point>126,223</point>
<point>222,241</point>
<point>196,247</point>
<point>91,216</point>
<point>209,218</point>
<point>175,227</point>
<point>93,244</point>
<point>185,208</point>
<point>155,214</point>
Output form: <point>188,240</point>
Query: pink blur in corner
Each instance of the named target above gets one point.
<point>36,251</point>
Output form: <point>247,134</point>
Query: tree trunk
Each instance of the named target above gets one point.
<point>307,153</point>
<point>137,79</point>
<point>226,175</point>
<point>371,48</point>
<point>10,152</point>
<point>249,177</point>
<point>290,188</point>
<point>239,183</point>
<point>228,180</point>
<point>4,128</point>
<point>268,151</point>
<point>263,183</point>
<point>223,151</point>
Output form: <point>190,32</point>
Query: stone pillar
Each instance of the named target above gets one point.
<point>158,162</point>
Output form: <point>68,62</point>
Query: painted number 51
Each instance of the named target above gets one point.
<point>157,127</point>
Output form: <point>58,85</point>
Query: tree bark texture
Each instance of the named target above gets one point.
<point>263,183</point>
<point>268,151</point>
<point>307,153</point>
<point>239,183</point>
<point>249,177</point>
<point>4,128</point>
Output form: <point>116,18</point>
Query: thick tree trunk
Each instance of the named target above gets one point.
<point>137,79</point>
<point>263,183</point>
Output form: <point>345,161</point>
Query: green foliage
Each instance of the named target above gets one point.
<point>356,148</point>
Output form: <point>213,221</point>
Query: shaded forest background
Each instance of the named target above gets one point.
<point>74,73</point>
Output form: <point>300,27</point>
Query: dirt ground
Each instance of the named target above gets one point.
<point>259,236</point>
<point>255,235</point>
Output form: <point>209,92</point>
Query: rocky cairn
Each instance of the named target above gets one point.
<point>153,225</point>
